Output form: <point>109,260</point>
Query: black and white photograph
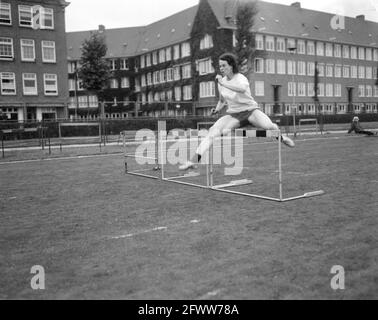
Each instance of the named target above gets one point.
<point>188,156</point>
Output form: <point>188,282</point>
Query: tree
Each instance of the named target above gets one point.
<point>245,47</point>
<point>95,70</point>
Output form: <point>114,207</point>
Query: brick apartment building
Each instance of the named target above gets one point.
<point>172,63</point>
<point>33,59</point>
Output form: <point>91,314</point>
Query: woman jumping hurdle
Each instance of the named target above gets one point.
<point>242,109</point>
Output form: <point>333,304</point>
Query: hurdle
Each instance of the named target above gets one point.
<point>79,124</point>
<point>160,147</point>
<point>313,120</point>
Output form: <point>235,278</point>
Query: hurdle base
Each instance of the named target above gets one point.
<point>233,183</point>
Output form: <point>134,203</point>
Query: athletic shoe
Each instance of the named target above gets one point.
<point>187,165</point>
<point>286,140</point>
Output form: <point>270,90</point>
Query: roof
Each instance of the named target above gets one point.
<point>128,42</point>
<point>294,21</point>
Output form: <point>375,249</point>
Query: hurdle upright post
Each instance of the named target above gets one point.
<point>280,164</point>
<point>160,146</point>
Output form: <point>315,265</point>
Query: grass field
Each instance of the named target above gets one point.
<point>101,234</point>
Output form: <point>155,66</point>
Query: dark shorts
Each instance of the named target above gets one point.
<point>242,117</point>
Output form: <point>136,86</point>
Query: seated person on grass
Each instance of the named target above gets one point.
<point>356,127</point>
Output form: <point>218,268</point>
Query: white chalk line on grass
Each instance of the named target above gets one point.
<point>61,158</point>
<point>162,228</point>
<point>211,294</point>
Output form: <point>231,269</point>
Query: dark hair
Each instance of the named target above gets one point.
<point>232,60</point>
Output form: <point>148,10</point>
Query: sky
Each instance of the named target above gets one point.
<point>88,14</point>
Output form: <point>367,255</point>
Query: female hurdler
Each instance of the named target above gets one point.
<point>242,109</point>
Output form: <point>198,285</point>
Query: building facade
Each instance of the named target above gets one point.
<point>33,59</point>
<point>168,67</point>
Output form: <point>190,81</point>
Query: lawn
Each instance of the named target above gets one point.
<point>101,234</point>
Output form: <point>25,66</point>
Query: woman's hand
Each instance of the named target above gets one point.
<point>219,79</point>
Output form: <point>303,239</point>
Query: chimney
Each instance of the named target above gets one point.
<point>101,28</point>
<point>361,17</point>
<point>296,5</point>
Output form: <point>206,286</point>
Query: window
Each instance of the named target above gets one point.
<point>321,89</point>
<point>290,44</point>
<point>149,78</point>
<point>162,55</point>
<point>321,69</point>
<point>369,73</point>
<point>280,44</point>
<point>27,50</point>
<point>93,101</point>
<point>150,97</point>
<point>259,65</point>
<point>301,47</point>
<point>176,52</point>
<point>353,71</point>
<point>270,66</point>
<point>291,67</point>
<point>375,91</point>
<point>337,51</point>
<point>329,90</point>
<point>291,89</point>
<point>329,49</point>
<point>353,52</point>
<point>329,70</point>
<point>51,84</point>
<point>310,68</point>
<point>369,91</point>
<point>301,89</point>
<point>259,42</point>
<point>162,76</point>
<point>206,42</point>
<point>320,48</point>
<point>310,89</point>
<point>112,64</point>
<point>269,43</point>
<point>125,82</point>
<point>71,85</point>
<point>6,48</point>
<point>346,52</point>
<point>177,93</point>
<point>5,13</point>
<point>368,54</point>
<point>176,73</point>
<point>205,66</point>
<point>143,80</point>
<point>168,55</point>
<point>154,58</point>
<point>137,84</point>
<point>346,71</point>
<point>148,60</point>
<point>361,72</point>
<point>169,74</point>
<point>207,89</point>
<point>337,90</point>
<point>361,91</point>
<point>124,64</point>
<point>25,16</point>
<point>113,83</point>
<point>48,51</point>
<point>185,49</point>
<point>47,18</point>
<point>8,83</point>
<point>281,66</point>
<point>338,71</point>
<point>29,82</point>
<point>301,68</point>
<point>156,77</point>
<point>375,54</point>
<point>169,95</point>
<point>361,53</point>
<point>259,88</point>
<point>186,71</point>
<point>142,61</point>
<point>310,48</point>
<point>187,95</point>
